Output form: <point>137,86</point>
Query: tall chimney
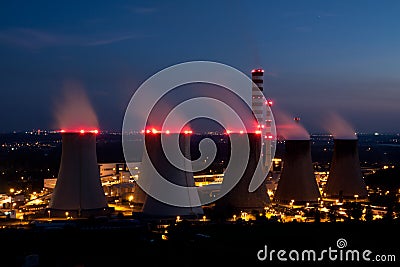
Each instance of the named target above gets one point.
<point>345,177</point>
<point>297,181</point>
<point>263,115</point>
<point>78,189</point>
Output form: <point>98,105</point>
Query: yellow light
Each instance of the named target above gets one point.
<point>12,190</point>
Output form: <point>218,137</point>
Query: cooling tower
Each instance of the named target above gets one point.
<point>345,177</point>
<point>155,161</point>
<point>78,189</point>
<point>297,181</point>
<point>239,198</point>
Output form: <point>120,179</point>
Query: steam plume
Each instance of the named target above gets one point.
<point>74,111</point>
<point>288,128</point>
<point>339,127</point>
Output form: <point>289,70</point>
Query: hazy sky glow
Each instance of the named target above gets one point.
<point>320,56</point>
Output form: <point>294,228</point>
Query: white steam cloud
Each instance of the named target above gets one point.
<point>339,127</point>
<point>74,111</point>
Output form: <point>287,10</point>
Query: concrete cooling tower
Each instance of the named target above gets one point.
<point>345,177</point>
<point>155,163</point>
<point>78,190</point>
<point>297,181</point>
<point>239,198</point>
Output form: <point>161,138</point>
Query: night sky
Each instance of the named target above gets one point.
<point>319,56</point>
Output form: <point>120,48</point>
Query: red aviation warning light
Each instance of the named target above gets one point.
<point>81,131</point>
<point>269,102</point>
<point>257,70</point>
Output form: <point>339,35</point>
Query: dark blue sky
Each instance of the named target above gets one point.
<point>319,56</point>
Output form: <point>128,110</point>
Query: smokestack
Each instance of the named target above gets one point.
<point>156,161</point>
<point>345,177</point>
<point>239,198</point>
<point>297,181</point>
<point>263,115</point>
<point>78,189</point>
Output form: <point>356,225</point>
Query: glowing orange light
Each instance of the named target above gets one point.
<point>82,131</point>
<point>148,131</point>
<point>241,132</point>
<point>258,132</point>
<point>95,131</point>
<point>154,131</point>
<point>187,132</point>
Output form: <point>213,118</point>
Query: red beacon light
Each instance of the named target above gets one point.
<point>269,102</point>
<point>257,70</point>
<point>82,131</point>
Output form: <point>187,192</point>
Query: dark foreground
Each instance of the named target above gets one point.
<point>203,244</point>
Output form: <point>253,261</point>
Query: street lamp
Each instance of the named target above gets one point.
<point>12,190</point>
<point>356,196</point>
<point>48,213</point>
<point>66,214</point>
